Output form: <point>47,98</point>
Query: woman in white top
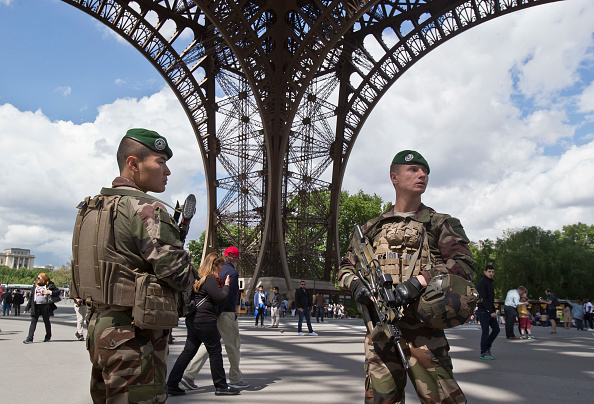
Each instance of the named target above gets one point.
<point>41,303</point>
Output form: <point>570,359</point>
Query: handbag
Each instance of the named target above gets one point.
<point>190,308</point>
<point>54,299</point>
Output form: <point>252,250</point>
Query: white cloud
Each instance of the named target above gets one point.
<point>586,99</point>
<point>65,90</point>
<point>52,165</point>
<point>120,82</point>
<point>485,110</point>
<point>6,2</point>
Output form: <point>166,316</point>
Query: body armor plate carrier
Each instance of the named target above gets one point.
<point>101,276</point>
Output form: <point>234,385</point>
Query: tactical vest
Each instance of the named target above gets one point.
<point>402,248</point>
<point>102,276</point>
<point>99,274</point>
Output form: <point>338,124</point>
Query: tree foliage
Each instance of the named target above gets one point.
<point>196,247</point>
<point>539,259</point>
<point>355,209</point>
<point>61,277</point>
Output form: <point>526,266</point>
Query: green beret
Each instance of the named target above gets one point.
<point>410,157</point>
<point>150,139</point>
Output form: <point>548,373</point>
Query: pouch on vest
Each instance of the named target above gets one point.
<point>155,304</point>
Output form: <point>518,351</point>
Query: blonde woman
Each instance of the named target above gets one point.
<point>202,328</point>
<point>40,305</point>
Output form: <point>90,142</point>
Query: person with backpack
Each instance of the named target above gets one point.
<point>552,303</point>
<point>128,266</point>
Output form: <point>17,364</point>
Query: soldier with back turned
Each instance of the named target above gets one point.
<point>138,244</point>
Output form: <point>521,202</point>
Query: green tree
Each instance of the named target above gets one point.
<point>196,247</point>
<point>538,259</point>
<point>484,254</point>
<point>61,277</point>
<point>355,209</point>
<point>527,257</point>
<point>580,234</point>
<point>575,261</point>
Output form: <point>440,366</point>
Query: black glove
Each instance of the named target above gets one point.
<point>408,291</point>
<point>360,293</point>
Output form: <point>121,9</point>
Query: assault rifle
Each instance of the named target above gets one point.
<point>384,318</point>
<point>187,212</point>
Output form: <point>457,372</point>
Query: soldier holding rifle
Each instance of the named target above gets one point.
<point>410,271</point>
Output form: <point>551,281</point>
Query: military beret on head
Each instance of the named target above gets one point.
<point>410,157</point>
<point>150,139</point>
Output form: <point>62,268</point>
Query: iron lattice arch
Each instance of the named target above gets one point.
<point>276,93</point>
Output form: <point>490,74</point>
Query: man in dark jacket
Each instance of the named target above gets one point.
<point>17,300</point>
<point>486,312</point>
<point>302,303</point>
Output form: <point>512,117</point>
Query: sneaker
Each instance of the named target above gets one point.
<point>229,391</point>
<point>531,337</point>
<point>188,383</point>
<point>79,337</point>
<point>175,391</point>
<point>524,337</point>
<point>487,356</point>
<point>28,341</point>
<point>299,333</point>
<point>313,334</point>
<point>240,385</point>
<point>47,340</point>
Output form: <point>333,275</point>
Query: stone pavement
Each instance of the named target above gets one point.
<point>286,368</point>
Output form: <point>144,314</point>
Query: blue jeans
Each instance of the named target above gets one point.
<point>579,324</point>
<point>319,313</point>
<point>305,313</point>
<point>486,322</point>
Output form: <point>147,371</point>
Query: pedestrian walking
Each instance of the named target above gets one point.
<point>487,313</point>
<point>42,303</point>
<point>275,308</point>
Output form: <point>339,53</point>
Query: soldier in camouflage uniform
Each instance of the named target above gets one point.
<point>129,364</point>
<point>413,244</point>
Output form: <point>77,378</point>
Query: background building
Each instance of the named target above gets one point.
<point>17,258</point>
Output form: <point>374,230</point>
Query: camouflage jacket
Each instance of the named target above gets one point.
<point>148,237</point>
<point>447,241</point>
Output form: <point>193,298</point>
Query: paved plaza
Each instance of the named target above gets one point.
<point>287,368</point>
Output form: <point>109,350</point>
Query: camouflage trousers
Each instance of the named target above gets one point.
<point>430,370</point>
<point>129,365</point>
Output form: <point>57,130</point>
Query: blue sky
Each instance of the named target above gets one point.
<point>503,113</point>
<point>66,63</point>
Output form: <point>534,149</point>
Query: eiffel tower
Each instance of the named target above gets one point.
<point>276,93</point>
